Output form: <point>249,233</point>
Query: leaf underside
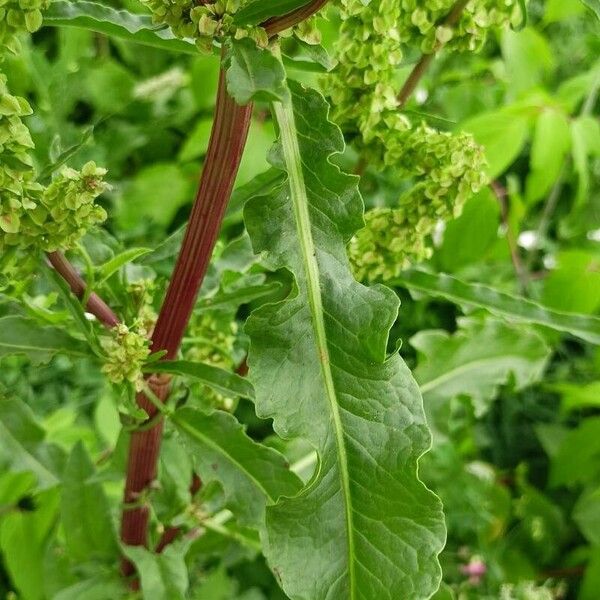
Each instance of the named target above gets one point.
<point>365,526</point>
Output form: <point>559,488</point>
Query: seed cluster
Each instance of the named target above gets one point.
<point>203,22</point>
<point>34,217</point>
<point>422,23</point>
<point>444,168</point>
<point>126,350</point>
<point>16,16</point>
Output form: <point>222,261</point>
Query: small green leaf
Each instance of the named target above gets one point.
<point>114,264</point>
<point>253,73</point>
<point>23,541</point>
<point>585,132</point>
<point>251,474</point>
<point>21,335</point>
<point>66,155</point>
<point>577,396</point>
<point>107,586</point>
<point>500,303</point>
<point>220,380</point>
<point>460,247</point>
<point>550,145</point>
<point>75,307</point>
<point>584,444</point>
<point>85,512</point>
<point>502,133</point>
<point>163,576</point>
<point>307,57</point>
<point>586,513</point>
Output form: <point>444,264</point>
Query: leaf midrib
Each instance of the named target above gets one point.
<point>291,151</point>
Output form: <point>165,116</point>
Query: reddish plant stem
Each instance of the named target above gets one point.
<point>228,137</point>
<point>421,67</point>
<point>95,305</point>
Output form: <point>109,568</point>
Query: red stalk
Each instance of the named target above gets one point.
<point>228,138</point>
<point>95,305</point>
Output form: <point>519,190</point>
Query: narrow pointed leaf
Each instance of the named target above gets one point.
<point>251,474</point>
<point>21,335</point>
<point>500,303</point>
<point>365,527</point>
<point>220,380</point>
<point>85,512</point>
<point>114,264</point>
<point>115,23</point>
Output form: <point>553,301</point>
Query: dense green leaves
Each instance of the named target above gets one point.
<point>252,475</point>
<point>319,366</point>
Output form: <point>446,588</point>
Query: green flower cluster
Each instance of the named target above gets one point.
<point>18,187</point>
<point>58,216</point>
<point>16,16</point>
<point>126,350</point>
<point>445,169</point>
<point>203,22</point>
<point>422,23</point>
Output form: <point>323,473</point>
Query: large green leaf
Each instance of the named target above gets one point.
<point>85,512</point>
<point>116,23</point>
<point>475,360</point>
<point>365,526</point>
<point>220,380</point>
<point>251,474</point>
<point>500,303</point>
<point>21,335</point>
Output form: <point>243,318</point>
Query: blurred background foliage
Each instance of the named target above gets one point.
<point>514,407</point>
